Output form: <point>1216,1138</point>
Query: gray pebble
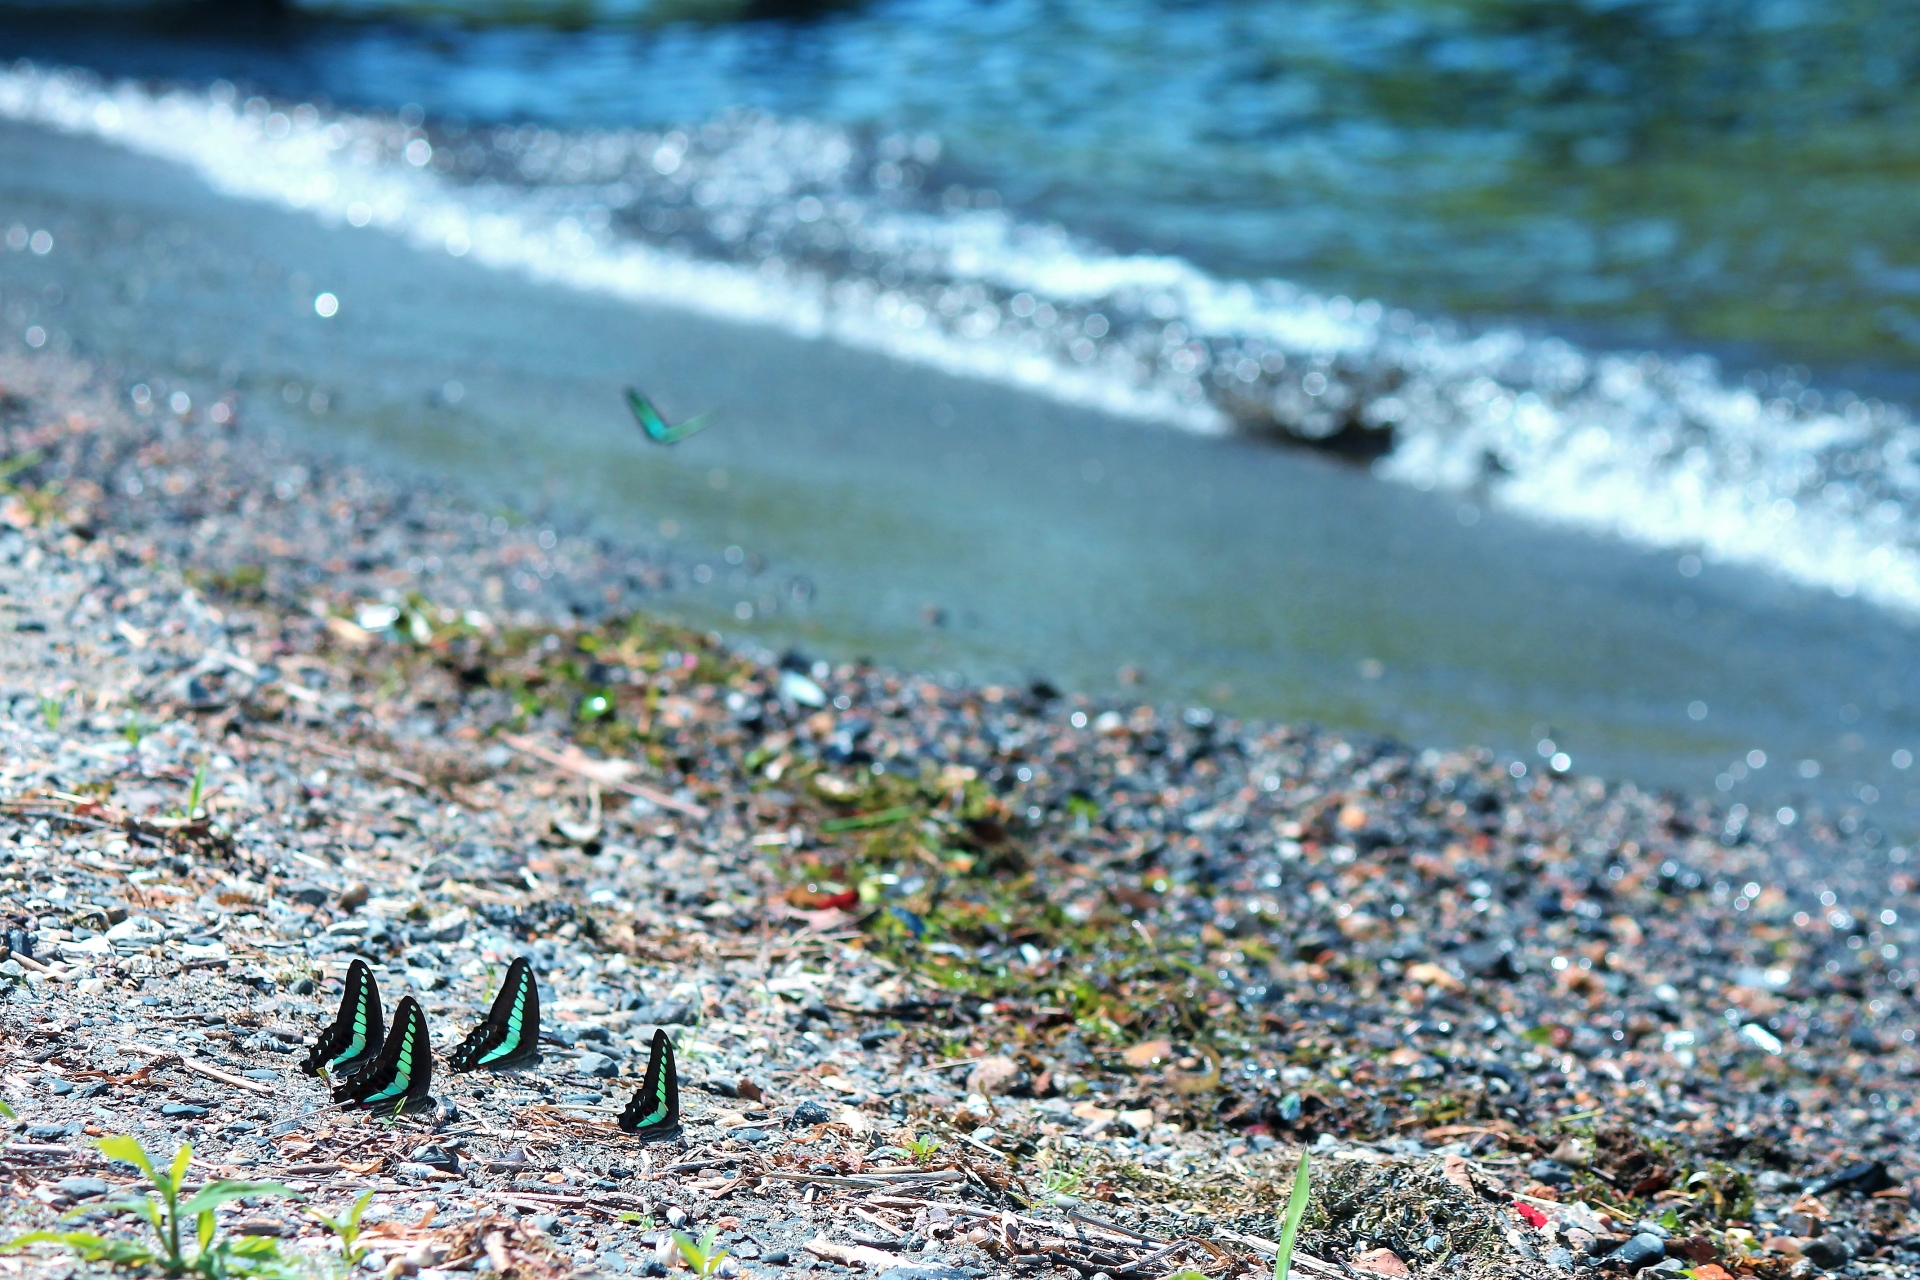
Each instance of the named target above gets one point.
<point>1639,1251</point>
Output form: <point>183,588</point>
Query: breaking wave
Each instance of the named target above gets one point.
<point>880,242</point>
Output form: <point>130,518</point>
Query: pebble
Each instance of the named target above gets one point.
<point>82,1188</point>
<point>598,1065</point>
<point>1638,1251</point>
<point>809,1113</point>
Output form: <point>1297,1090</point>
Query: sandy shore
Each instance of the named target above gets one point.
<point>966,981</point>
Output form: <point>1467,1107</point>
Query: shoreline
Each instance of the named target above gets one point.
<point>1151,953</point>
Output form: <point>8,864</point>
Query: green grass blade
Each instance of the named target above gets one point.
<point>1290,1230</point>
<point>218,1193</point>
<point>127,1149</point>
<point>177,1175</point>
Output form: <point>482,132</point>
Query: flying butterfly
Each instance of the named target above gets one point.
<point>510,1035</point>
<point>654,1113</point>
<point>402,1073</point>
<point>656,426</point>
<point>355,1036</point>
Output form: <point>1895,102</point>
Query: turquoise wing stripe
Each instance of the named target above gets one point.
<point>359,1044</point>
<point>402,1073</point>
<point>510,1043</point>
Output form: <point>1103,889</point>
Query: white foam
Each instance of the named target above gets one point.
<point>1663,453</point>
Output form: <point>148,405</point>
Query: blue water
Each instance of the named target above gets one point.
<point>1732,175</point>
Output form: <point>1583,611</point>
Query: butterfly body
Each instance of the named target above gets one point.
<point>656,426</point>
<point>356,1034</point>
<point>397,1080</point>
<point>653,1114</point>
<point>509,1036</point>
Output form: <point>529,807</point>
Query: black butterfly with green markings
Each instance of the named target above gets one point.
<point>654,1113</point>
<point>399,1078</point>
<point>357,1033</point>
<point>510,1035</point>
<point>656,426</point>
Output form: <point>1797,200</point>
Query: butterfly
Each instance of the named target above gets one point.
<point>656,426</point>
<point>356,1034</point>
<point>654,1113</point>
<point>510,1034</point>
<point>402,1073</point>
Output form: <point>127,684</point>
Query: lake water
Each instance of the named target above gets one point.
<point>1602,321</point>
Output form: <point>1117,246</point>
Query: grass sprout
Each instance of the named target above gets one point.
<point>702,1256</point>
<point>1062,1184</point>
<point>197,791</point>
<point>1296,1210</point>
<point>201,1254</point>
<point>345,1229</point>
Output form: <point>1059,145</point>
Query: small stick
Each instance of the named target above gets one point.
<point>878,1221</point>
<point>1076,1216</point>
<point>576,763</point>
<point>211,1072</point>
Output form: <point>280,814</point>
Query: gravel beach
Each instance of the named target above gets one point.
<point>964,982</point>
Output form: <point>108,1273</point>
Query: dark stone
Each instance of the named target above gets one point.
<point>308,895</point>
<point>597,1065</point>
<point>752,1137</point>
<point>47,1132</point>
<point>1490,959</point>
<point>1551,1172</point>
<point>1639,1251</point>
<point>435,1156</point>
<point>1829,1253</point>
<point>59,1088</point>
<point>1859,1179</point>
<point>808,1112</point>
<point>778,1258</point>
<point>182,1111</point>
<point>667,1013</point>
<point>925,1271</point>
<point>82,1188</point>
<point>1865,1038</point>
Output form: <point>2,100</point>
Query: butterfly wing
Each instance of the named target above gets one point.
<point>649,417</point>
<point>653,1113</point>
<point>656,426</point>
<point>356,1034</point>
<point>403,1072</point>
<point>687,428</point>
<point>510,1035</point>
